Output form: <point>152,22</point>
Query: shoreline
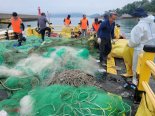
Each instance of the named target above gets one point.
<point>5,18</point>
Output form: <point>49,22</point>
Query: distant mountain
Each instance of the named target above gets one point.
<point>94,15</point>
<point>65,15</point>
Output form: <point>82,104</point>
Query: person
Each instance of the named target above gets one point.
<point>18,27</point>
<point>42,20</point>
<point>118,34</point>
<point>67,21</point>
<point>143,33</point>
<point>96,25</point>
<point>105,34</point>
<point>84,25</point>
<point>77,31</point>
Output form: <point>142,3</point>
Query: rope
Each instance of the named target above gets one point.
<point>8,87</point>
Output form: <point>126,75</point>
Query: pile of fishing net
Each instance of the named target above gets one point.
<point>54,61</point>
<point>10,53</point>
<point>60,100</point>
<point>75,78</point>
<point>4,50</point>
<point>44,67</point>
<point>23,74</point>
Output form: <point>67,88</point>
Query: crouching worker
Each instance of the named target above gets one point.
<point>17,24</point>
<point>42,26</point>
<point>142,34</point>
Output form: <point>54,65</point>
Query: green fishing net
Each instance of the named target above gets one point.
<point>39,63</point>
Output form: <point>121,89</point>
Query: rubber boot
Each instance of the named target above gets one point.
<point>128,56</point>
<point>19,43</point>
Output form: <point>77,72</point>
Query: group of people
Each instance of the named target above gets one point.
<point>143,33</point>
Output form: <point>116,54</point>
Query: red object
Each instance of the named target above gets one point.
<point>39,11</point>
<point>54,35</point>
<point>84,23</point>
<point>96,26</point>
<point>16,23</point>
<point>67,21</point>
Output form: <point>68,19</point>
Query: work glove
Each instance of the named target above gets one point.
<point>112,41</point>
<point>99,40</point>
<point>7,29</point>
<point>23,33</point>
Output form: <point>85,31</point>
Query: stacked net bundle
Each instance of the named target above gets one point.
<point>54,61</point>
<point>57,60</point>
<point>61,100</point>
<point>75,78</point>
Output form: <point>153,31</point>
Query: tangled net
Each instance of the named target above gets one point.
<point>26,75</point>
<point>75,78</point>
<point>61,100</point>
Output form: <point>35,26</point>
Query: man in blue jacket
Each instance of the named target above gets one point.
<point>106,34</point>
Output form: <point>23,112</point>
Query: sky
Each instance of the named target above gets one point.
<point>61,6</point>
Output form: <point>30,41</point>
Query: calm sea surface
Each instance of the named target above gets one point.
<point>126,24</point>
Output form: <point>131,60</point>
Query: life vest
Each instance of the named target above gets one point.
<point>16,24</point>
<point>84,23</point>
<point>96,26</point>
<point>67,21</point>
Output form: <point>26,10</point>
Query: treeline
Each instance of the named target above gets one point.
<point>129,8</point>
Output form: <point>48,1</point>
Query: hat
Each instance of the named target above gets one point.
<point>69,16</point>
<point>14,14</point>
<point>112,13</point>
<point>84,15</point>
<point>139,12</point>
<point>106,16</point>
<point>96,19</point>
<point>43,14</point>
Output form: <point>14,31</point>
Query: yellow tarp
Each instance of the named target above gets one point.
<point>145,108</point>
<point>117,32</point>
<point>121,50</point>
<point>66,32</point>
<point>118,48</point>
<point>29,31</point>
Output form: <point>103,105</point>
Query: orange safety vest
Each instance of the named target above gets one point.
<point>16,24</point>
<point>96,26</point>
<point>84,24</point>
<point>67,21</point>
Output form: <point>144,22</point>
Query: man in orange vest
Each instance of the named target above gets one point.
<point>18,27</point>
<point>67,21</point>
<point>96,25</point>
<point>84,25</point>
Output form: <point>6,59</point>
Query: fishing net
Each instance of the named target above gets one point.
<point>61,100</point>
<point>32,67</point>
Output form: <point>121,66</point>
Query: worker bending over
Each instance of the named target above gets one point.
<point>17,24</point>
